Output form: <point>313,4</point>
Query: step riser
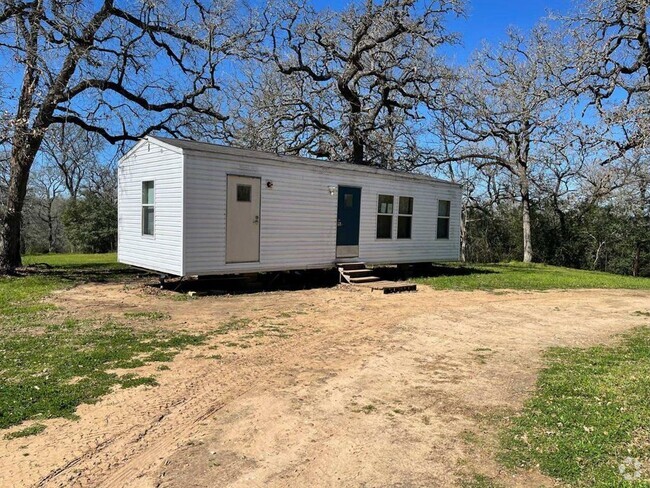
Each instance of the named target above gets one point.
<point>356,273</point>
<point>351,266</point>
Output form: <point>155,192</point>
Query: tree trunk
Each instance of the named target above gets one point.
<point>357,150</point>
<point>636,265</point>
<point>51,241</point>
<point>358,153</point>
<point>22,156</point>
<point>525,210</point>
<point>463,236</point>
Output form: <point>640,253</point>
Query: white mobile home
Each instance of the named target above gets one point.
<point>188,208</point>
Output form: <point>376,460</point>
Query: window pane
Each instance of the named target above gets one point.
<point>243,193</point>
<point>147,192</point>
<point>385,205</point>
<point>404,227</point>
<point>443,228</point>
<point>147,220</point>
<point>384,226</point>
<point>443,208</point>
<point>348,200</point>
<point>406,205</point>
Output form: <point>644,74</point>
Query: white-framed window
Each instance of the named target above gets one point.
<point>385,216</point>
<point>405,217</point>
<point>148,210</point>
<point>444,213</point>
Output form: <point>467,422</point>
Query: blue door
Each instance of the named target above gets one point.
<point>348,220</point>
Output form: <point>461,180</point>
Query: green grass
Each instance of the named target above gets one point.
<point>232,325</point>
<point>74,268</point>
<point>26,432</point>
<point>22,295</point>
<point>477,480</point>
<point>154,316</point>
<point>520,276</point>
<point>51,362</point>
<point>72,260</point>
<point>590,416</point>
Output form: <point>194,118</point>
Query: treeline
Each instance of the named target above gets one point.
<point>548,131</point>
<point>71,200</point>
<point>599,238</point>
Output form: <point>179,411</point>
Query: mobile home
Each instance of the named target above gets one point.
<point>190,209</point>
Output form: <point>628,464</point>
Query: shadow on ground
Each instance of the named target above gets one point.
<point>89,273</point>
<point>305,280</point>
<point>254,282</point>
<point>237,284</point>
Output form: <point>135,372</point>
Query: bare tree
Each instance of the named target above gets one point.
<point>48,186</point>
<point>352,84</point>
<point>505,106</point>
<point>118,69</point>
<point>101,180</point>
<point>73,151</point>
<point>611,51</point>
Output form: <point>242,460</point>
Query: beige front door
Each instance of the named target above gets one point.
<point>243,220</point>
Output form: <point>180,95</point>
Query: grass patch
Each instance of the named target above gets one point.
<point>72,260</point>
<point>241,345</point>
<point>133,380</point>
<point>160,356</point>
<point>588,423</point>
<point>73,268</point>
<point>368,409</point>
<point>22,295</point>
<point>232,325</point>
<point>477,480</point>
<point>49,374</point>
<point>26,432</point>
<point>153,316</point>
<point>520,276</point>
<point>49,363</point>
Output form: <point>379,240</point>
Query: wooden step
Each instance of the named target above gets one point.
<point>351,266</point>
<point>364,279</point>
<point>393,286</point>
<point>358,273</point>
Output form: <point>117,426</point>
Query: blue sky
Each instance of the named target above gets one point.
<point>489,19</point>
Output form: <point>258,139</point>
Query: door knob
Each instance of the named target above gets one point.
<point>257,219</point>
<point>339,224</point>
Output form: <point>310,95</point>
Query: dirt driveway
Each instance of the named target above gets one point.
<point>329,387</point>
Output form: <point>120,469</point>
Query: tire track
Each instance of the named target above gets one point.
<point>137,452</point>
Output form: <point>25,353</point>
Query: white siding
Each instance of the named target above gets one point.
<point>163,251</point>
<point>298,216</point>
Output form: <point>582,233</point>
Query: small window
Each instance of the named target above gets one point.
<point>385,204</point>
<point>148,208</point>
<point>405,205</point>
<point>405,218</point>
<point>244,193</point>
<point>385,217</point>
<point>444,212</point>
<point>348,200</point>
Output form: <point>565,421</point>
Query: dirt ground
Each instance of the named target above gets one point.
<point>327,387</point>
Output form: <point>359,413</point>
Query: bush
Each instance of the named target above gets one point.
<point>91,224</point>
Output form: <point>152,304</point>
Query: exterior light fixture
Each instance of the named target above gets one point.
<point>269,184</point>
<point>332,189</point>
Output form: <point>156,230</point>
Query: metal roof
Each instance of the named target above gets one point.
<point>185,144</point>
